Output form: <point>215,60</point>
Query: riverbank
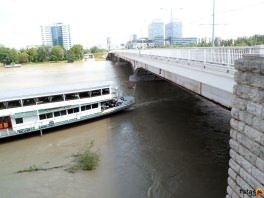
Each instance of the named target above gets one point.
<point>97,57</point>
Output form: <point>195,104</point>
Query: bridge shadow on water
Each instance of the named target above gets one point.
<point>174,144</point>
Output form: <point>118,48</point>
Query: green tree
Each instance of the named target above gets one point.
<point>96,49</point>
<point>57,53</point>
<point>13,54</point>
<point>4,58</point>
<point>44,53</point>
<point>70,56</point>
<point>86,51</point>
<point>77,51</point>
<point>8,56</point>
<point>23,57</point>
<point>33,54</point>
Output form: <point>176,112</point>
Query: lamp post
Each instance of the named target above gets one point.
<point>213,26</point>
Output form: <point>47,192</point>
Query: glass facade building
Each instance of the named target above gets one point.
<point>156,32</point>
<point>184,41</point>
<point>173,30</point>
<point>56,34</point>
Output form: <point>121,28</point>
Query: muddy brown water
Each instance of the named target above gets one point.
<point>171,144</point>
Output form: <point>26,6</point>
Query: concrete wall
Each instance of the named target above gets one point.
<point>246,165</point>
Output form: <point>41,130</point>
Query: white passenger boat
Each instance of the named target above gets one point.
<point>29,110</point>
<point>12,65</point>
<point>88,57</point>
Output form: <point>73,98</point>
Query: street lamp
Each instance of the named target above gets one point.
<point>213,30</point>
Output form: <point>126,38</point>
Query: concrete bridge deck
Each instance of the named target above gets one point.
<point>208,72</point>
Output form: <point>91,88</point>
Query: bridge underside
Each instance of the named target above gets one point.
<point>213,93</point>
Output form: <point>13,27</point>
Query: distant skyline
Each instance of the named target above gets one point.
<point>93,21</point>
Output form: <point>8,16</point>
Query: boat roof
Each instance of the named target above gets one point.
<point>16,94</point>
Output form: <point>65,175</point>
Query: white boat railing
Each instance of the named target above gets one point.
<point>223,56</point>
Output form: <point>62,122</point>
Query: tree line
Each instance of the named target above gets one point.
<point>240,41</point>
<point>44,54</point>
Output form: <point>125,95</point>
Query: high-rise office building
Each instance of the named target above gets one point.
<point>156,32</point>
<point>56,34</point>
<point>134,38</point>
<point>173,30</point>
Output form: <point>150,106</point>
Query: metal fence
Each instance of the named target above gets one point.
<point>225,56</point>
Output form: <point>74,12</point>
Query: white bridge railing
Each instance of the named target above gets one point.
<point>224,56</point>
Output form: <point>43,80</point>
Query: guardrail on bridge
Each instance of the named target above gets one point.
<point>225,56</point>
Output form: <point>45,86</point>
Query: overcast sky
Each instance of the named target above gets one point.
<point>92,21</point>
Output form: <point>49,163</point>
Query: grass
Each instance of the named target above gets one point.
<point>88,160</point>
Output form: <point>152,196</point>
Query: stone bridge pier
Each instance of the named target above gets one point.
<point>246,165</point>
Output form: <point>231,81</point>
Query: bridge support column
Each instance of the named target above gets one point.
<point>246,165</point>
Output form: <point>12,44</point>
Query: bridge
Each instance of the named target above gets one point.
<point>233,77</point>
<point>208,72</point>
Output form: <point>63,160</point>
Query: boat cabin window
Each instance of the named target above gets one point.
<point>85,94</point>
<point>105,91</point>
<point>57,98</point>
<point>63,112</point>
<point>71,96</point>
<point>70,111</point>
<point>5,122</point>
<point>45,116</point>
<point>57,114</point>
<point>14,104</point>
<point>94,105</point>
<point>44,99</point>
<point>29,101</point>
<point>86,107</point>
<point>75,110</point>
<point>42,116</point>
<point>96,93</point>
<point>19,120</point>
<point>2,105</point>
<point>49,115</point>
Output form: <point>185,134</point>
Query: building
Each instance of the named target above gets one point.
<point>56,34</point>
<point>173,35</point>
<point>173,30</point>
<point>140,43</point>
<point>184,41</point>
<point>156,32</point>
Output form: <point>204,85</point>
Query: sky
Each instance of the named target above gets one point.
<point>91,22</point>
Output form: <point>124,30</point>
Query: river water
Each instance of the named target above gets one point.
<point>171,144</point>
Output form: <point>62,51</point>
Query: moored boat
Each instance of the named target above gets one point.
<point>88,57</point>
<point>29,110</point>
<point>12,65</point>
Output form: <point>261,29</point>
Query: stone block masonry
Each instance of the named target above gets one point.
<point>246,165</point>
